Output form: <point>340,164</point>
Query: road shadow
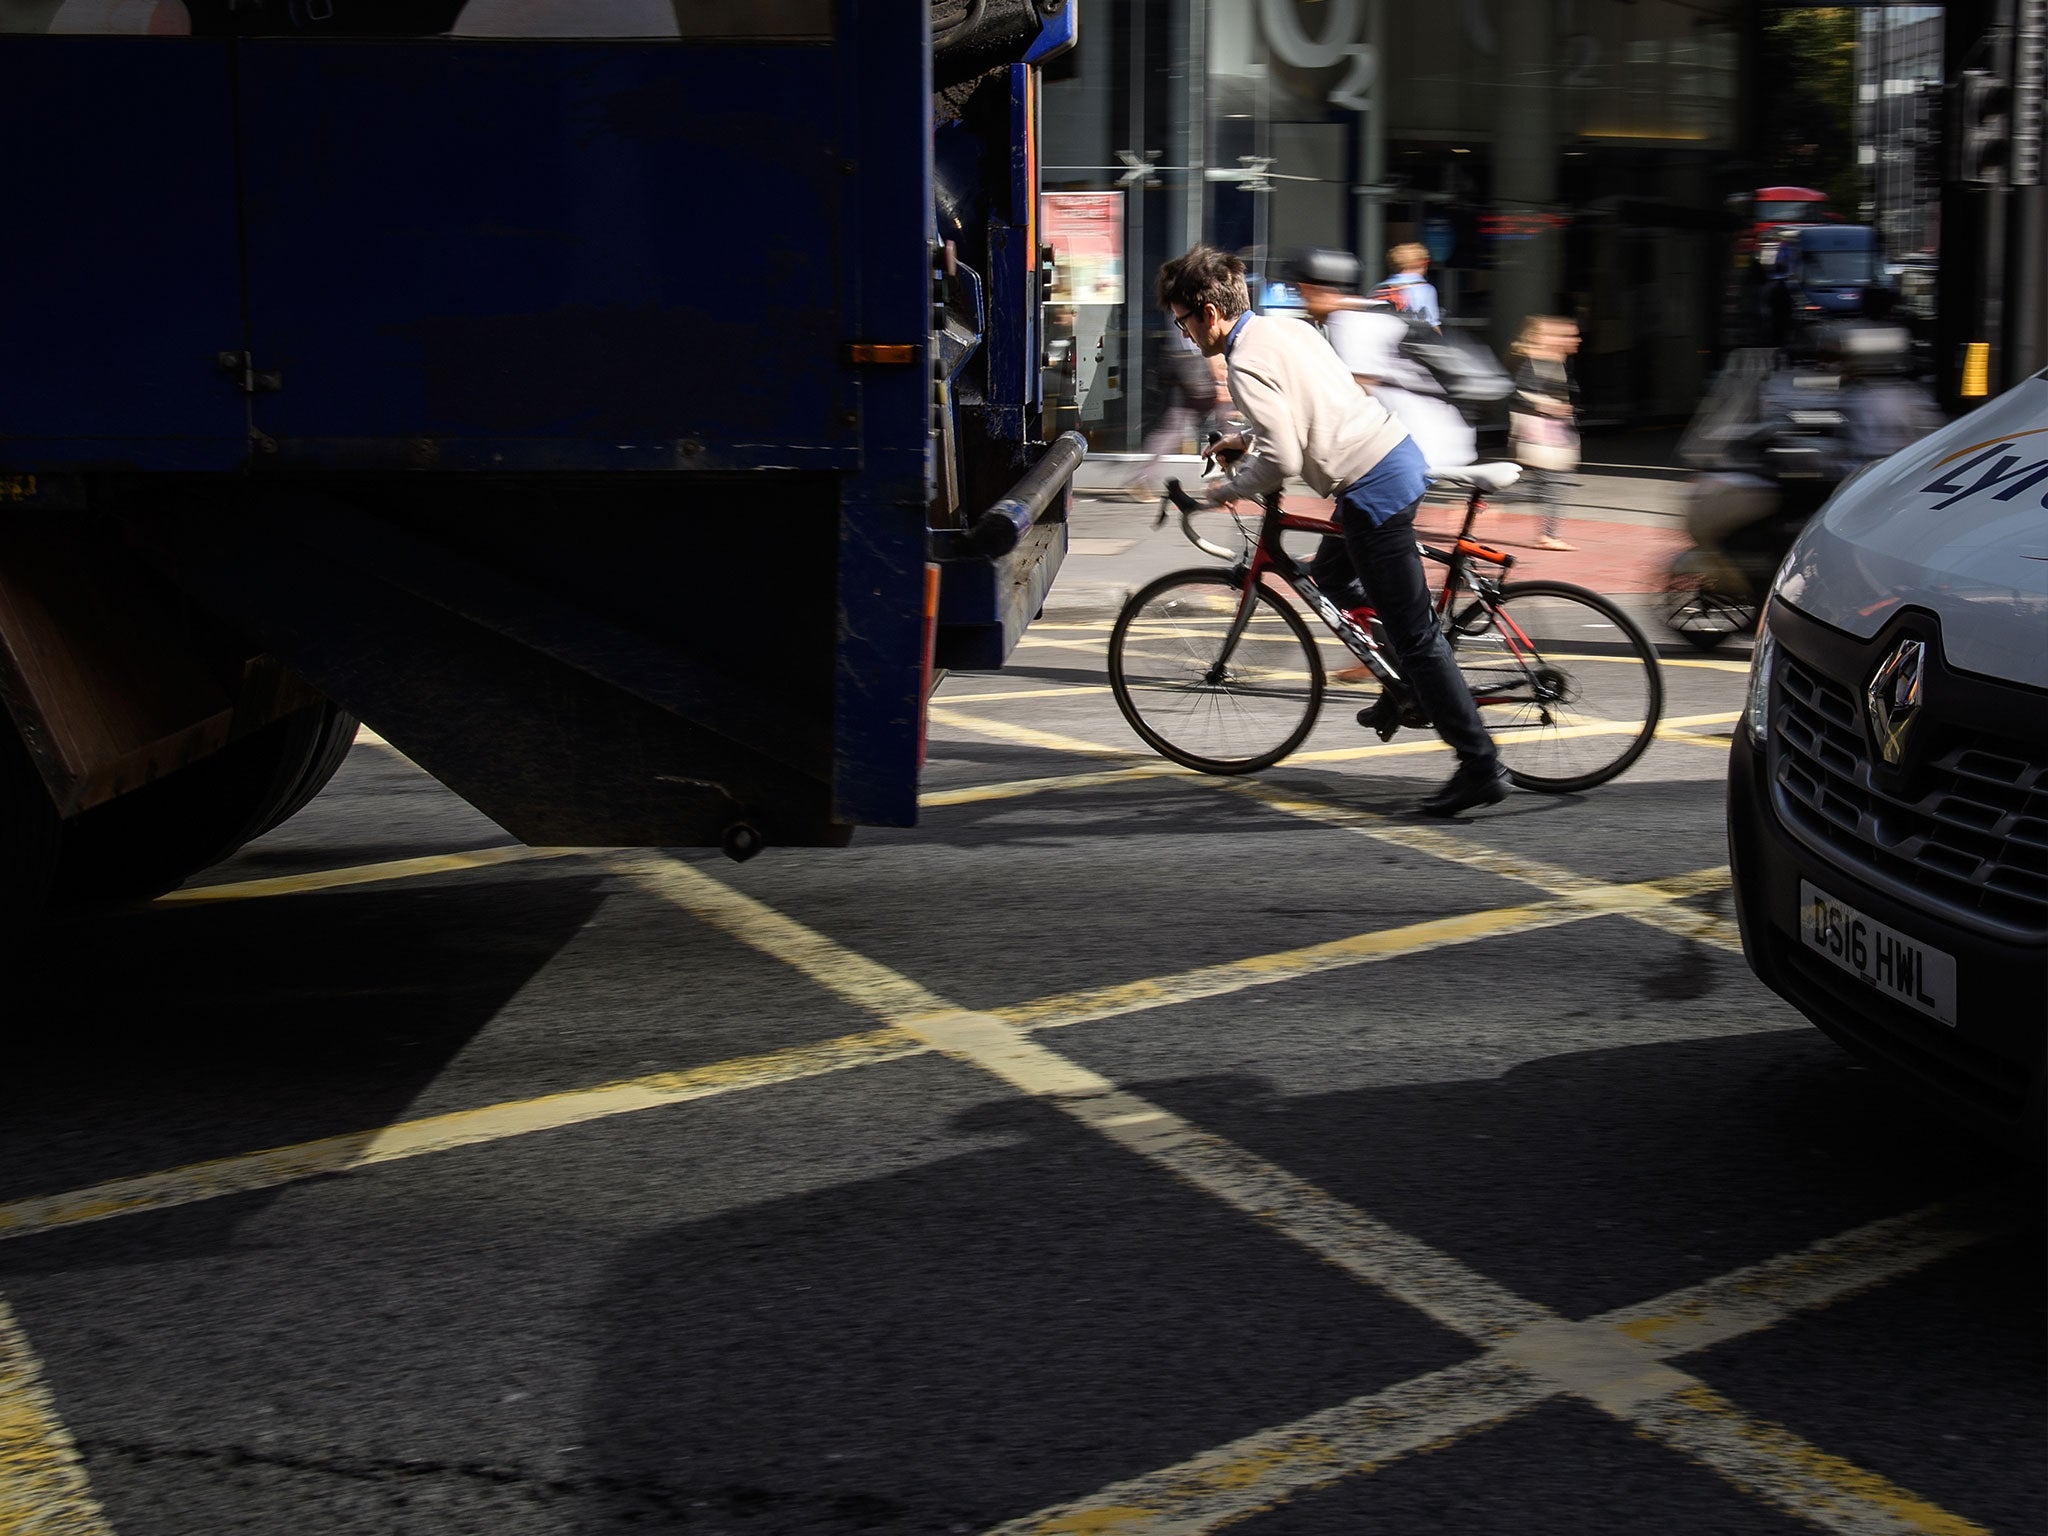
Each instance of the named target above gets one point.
<point>953,1344</point>
<point>1180,804</point>
<point>1594,1179</point>
<point>149,1037</point>
<point>941,1349</point>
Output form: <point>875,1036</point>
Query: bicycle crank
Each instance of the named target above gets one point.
<point>1387,714</point>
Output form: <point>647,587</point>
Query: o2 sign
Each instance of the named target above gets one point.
<point>1338,42</point>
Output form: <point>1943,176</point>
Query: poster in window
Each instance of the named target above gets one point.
<point>1086,232</point>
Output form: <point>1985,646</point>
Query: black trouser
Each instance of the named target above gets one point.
<point>1384,559</point>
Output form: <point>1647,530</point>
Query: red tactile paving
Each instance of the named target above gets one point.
<point>1608,557</point>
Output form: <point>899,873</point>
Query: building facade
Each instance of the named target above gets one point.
<point>1555,157</point>
<point>1898,124</point>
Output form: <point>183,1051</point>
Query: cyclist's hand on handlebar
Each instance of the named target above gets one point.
<point>1223,450</point>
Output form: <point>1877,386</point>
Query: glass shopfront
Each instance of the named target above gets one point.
<point>1554,157</point>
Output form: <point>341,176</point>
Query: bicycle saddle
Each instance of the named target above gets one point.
<point>1478,477</point>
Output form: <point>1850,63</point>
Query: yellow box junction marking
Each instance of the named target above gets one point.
<point>1103,627</point>
<point>277,1166</point>
<point>1230,976</point>
<point>1576,899</point>
<point>1014,789</point>
<point>1562,733</point>
<point>1536,1354</point>
<point>363,874</point>
<point>1596,1360</point>
<point>1642,903</point>
<point>1064,691</point>
<point>1593,1361</point>
<point>43,1487</point>
<point>1772,1463</point>
<point>1253,1474</point>
<point>1435,1283</point>
<point>1530,1339</point>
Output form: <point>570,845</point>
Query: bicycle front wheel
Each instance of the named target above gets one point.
<point>1703,618</point>
<point>1207,711</point>
<point>1565,681</point>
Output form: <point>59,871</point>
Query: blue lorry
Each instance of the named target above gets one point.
<point>626,407</point>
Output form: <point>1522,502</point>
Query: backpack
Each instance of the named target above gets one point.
<point>1392,294</point>
<point>1462,372</point>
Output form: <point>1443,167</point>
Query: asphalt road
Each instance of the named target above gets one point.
<point>1118,1151</point>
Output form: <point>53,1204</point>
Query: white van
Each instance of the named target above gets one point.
<point>1888,787</point>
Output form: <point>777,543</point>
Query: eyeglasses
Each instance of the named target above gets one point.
<point>1181,320</point>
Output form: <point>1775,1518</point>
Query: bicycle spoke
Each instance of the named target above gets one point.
<point>1565,682</point>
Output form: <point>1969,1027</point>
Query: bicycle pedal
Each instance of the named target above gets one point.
<point>1379,719</point>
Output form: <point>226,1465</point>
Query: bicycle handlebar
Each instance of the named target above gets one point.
<point>1175,496</point>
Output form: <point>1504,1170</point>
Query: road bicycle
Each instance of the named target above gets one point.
<point>1214,669</point>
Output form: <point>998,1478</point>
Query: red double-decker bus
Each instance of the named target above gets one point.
<point>1768,210</point>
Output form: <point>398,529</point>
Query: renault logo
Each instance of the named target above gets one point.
<point>1893,699</point>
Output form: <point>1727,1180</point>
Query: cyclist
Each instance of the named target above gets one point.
<point>1309,418</point>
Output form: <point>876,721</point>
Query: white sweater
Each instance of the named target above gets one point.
<point>1308,415</point>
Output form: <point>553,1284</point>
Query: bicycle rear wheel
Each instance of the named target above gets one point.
<point>1565,681</point>
<point>1167,671</point>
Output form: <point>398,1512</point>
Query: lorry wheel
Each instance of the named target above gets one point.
<point>330,748</point>
<point>29,831</point>
<point>155,838</point>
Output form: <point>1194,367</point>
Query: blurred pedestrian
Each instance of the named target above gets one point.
<point>1408,290</point>
<point>1542,436</point>
<point>1195,396</point>
<point>1778,305</point>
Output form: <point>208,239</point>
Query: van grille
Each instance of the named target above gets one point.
<point>1974,841</point>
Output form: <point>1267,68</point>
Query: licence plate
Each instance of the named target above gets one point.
<point>1903,969</point>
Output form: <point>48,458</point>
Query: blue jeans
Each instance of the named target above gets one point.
<point>1383,559</point>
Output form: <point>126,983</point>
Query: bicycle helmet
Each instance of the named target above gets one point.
<point>1321,267</point>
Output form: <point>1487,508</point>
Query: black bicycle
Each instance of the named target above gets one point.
<point>1214,669</point>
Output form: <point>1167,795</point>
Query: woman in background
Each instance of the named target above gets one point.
<point>1541,435</point>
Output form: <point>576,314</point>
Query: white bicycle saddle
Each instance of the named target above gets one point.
<point>1477,477</point>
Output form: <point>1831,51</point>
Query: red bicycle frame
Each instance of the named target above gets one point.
<point>1268,557</point>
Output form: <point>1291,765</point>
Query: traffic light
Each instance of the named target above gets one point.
<point>1983,126</point>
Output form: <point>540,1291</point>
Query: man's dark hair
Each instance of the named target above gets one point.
<point>1205,276</point>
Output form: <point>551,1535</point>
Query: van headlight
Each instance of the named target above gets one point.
<point>1756,708</point>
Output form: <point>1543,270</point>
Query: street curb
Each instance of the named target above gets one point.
<point>1086,599</point>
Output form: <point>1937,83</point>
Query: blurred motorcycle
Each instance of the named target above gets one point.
<point>1770,445</point>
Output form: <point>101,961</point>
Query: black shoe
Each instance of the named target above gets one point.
<point>1387,714</point>
<point>1473,784</point>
